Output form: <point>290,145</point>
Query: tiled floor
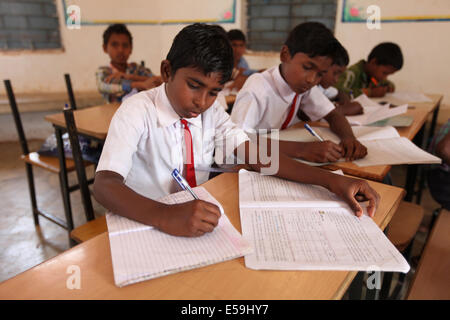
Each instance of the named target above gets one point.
<point>24,245</point>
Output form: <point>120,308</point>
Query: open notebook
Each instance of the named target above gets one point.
<point>140,252</point>
<point>294,226</point>
<point>384,145</point>
<point>374,111</point>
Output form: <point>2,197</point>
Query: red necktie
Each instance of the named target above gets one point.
<point>189,165</point>
<point>290,114</point>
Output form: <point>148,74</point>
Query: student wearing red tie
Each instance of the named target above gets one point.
<point>179,125</point>
<point>272,99</point>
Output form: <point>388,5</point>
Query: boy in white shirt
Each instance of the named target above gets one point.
<point>270,100</point>
<point>179,125</point>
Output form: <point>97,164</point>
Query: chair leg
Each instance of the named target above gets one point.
<point>32,189</point>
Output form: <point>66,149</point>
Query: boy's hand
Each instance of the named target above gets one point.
<point>378,91</point>
<point>354,190</point>
<point>115,75</point>
<point>323,151</point>
<point>353,108</point>
<point>353,149</point>
<point>189,219</point>
<point>151,82</point>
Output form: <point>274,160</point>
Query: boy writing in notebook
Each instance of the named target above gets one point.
<point>120,77</point>
<point>270,100</point>
<point>328,85</point>
<point>179,125</point>
<point>370,77</point>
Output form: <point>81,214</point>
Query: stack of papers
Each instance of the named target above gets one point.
<point>140,252</point>
<point>295,226</point>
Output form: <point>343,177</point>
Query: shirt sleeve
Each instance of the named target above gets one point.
<point>119,88</point>
<point>126,129</point>
<point>247,110</point>
<point>228,136</point>
<point>315,104</point>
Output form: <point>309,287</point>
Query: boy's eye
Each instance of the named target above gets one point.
<point>213,93</point>
<point>192,86</point>
<point>307,67</point>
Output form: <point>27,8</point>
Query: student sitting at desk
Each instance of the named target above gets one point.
<point>439,175</point>
<point>370,77</point>
<point>241,70</point>
<point>120,77</point>
<point>271,100</point>
<point>329,81</point>
<point>179,125</point>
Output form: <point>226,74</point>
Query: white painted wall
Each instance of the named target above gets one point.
<point>425,47</point>
<point>42,71</point>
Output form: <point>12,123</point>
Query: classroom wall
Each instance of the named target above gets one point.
<point>425,47</point>
<point>42,71</point>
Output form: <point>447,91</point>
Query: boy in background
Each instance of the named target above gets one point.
<point>180,125</point>
<point>370,77</point>
<point>241,69</point>
<point>270,100</point>
<point>328,85</point>
<point>120,77</point>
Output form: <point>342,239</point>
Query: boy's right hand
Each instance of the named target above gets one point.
<point>320,151</point>
<point>353,108</point>
<point>377,92</point>
<point>189,219</point>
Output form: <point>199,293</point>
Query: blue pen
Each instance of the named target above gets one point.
<point>313,132</point>
<point>182,182</point>
<point>351,95</point>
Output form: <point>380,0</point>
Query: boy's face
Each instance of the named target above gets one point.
<point>189,90</point>
<point>331,77</point>
<point>238,49</point>
<point>302,72</point>
<point>118,48</point>
<point>379,71</point>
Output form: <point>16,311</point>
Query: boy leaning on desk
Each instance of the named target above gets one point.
<point>169,127</point>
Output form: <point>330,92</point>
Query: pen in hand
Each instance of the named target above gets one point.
<point>310,130</point>
<point>183,183</point>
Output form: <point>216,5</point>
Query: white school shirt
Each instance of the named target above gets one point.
<point>145,142</point>
<point>265,100</point>
<point>330,92</point>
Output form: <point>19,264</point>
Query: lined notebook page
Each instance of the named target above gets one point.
<point>141,252</point>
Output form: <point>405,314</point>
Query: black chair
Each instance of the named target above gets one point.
<point>70,91</point>
<point>79,163</point>
<point>48,163</point>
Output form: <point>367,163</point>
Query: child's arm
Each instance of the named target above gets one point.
<point>319,151</point>
<point>353,149</point>
<point>348,189</point>
<point>193,218</point>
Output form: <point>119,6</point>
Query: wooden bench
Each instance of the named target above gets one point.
<point>432,277</point>
<point>89,230</point>
<point>404,224</point>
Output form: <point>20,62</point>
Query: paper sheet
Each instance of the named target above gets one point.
<point>141,252</point>
<point>409,97</point>
<point>394,151</point>
<point>324,237</point>
<point>374,112</point>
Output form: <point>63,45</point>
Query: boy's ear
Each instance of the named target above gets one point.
<point>166,70</point>
<point>104,48</point>
<point>285,55</point>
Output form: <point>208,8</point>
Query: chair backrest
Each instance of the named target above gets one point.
<point>70,91</point>
<point>79,163</point>
<point>16,115</point>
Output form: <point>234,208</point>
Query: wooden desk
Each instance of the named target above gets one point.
<point>432,277</point>
<point>93,121</point>
<point>226,280</point>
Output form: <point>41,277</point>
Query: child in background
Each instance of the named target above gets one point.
<point>270,100</point>
<point>180,125</point>
<point>241,70</point>
<point>329,80</point>
<point>120,77</point>
<point>370,77</point>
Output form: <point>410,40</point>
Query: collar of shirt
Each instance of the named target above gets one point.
<point>284,90</point>
<point>165,112</point>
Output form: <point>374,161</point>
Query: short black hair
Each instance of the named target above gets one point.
<point>236,34</point>
<point>341,56</point>
<point>387,53</point>
<point>116,28</point>
<point>202,46</point>
<point>312,39</point>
